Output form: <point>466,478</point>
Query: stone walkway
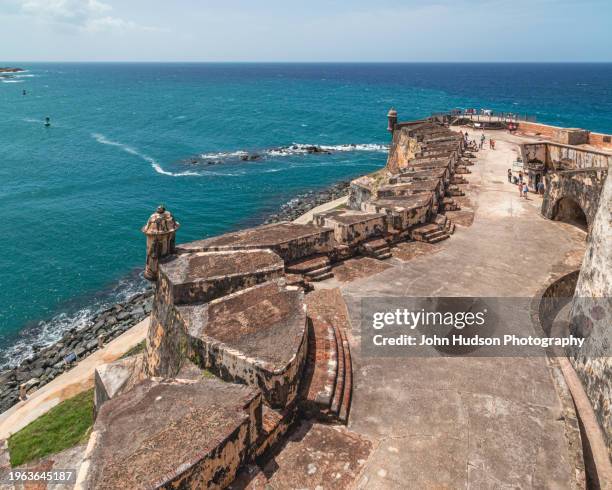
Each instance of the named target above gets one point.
<point>470,422</point>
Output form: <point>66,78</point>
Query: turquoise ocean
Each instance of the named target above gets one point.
<point>125,137</point>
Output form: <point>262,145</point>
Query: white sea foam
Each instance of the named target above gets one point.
<point>100,138</point>
<point>50,331</point>
<point>296,149</point>
<point>12,81</point>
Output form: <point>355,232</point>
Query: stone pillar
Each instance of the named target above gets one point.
<point>161,234</point>
<point>392,117</point>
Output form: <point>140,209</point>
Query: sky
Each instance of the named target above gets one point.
<point>306,30</point>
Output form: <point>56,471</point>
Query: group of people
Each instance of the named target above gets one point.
<point>523,187</point>
<point>472,143</point>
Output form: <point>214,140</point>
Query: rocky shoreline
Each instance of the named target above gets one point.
<point>49,362</point>
<point>303,203</point>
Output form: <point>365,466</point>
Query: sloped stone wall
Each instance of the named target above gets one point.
<point>591,315</point>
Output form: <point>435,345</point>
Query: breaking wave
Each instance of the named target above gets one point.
<point>50,331</point>
<point>100,138</point>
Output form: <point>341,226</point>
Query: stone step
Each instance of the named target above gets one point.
<point>321,277</point>
<point>449,227</point>
<point>318,272</point>
<point>438,239</point>
<point>339,387</point>
<point>309,264</point>
<point>321,370</point>
<point>385,256</point>
<point>325,400</point>
<point>347,381</point>
<point>441,219</point>
<point>376,244</point>
<point>433,235</point>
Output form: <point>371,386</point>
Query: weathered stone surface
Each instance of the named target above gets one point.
<point>573,195</point>
<point>315,456</point>
<point>352,227</point>
<point>289,240</point>
<point>116,377</point>
<point>179,433</point>
<point>591,315</point>
<point>256,336</point>
<point>203,276</point>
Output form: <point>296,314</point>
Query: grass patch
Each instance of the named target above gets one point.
<point>62,427</point>
<point>137,349</point>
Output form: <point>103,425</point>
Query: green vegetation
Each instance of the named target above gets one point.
<point>137,349</point>
<point>62,427</point>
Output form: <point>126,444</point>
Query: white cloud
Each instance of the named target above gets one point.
<point>85,15</point>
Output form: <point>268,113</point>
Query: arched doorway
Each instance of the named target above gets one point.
<point>569,211</point>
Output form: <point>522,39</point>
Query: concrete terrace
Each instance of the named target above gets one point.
<point>469,422</point>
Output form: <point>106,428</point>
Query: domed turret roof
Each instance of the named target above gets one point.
<point>392,112</point>
<point>160,222</point>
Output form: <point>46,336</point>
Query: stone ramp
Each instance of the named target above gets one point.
<point>181,433</point>
<point>326,389</point>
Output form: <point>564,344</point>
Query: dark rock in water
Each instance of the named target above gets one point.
<point>250,157</point>
<point>317,149</point>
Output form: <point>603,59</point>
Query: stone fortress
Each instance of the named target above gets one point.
<point>244,345</point>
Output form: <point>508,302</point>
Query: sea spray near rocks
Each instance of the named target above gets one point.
<point>237,156</point>
<point>47,363</point>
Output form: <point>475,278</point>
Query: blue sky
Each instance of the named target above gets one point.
<point>313,30</point>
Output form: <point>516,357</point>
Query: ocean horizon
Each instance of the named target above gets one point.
<point>126,136</point>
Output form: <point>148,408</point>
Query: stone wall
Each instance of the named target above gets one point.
<point>581,186</point>
<point>571,136</point>
<point>564,157</point>
<point>403,150</point>
<point>591,315</point>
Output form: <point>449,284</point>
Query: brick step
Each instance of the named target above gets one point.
<point>323,399</point>
<point>309,264</point>
<point>347,381</point>
<point>274,425</point>
<point>321,369</point>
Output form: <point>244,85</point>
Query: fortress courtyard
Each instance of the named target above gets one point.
<point>478,422</point>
